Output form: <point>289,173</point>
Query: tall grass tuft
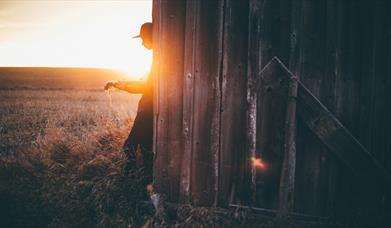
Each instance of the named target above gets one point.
<point>64,180</point>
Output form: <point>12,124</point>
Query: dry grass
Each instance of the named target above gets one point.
<point>71,176</point>
<point>25,114</point>
<point>61,157</point>
<point>67,181</point>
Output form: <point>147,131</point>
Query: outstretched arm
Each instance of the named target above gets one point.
<point>128,86</point>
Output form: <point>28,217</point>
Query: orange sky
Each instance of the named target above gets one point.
<point>74,33</point>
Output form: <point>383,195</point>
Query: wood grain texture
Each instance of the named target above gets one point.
<point>339,140</point>
<point>192,10</point>
<point>207,98</point>
<point>208,55</point>
<point>272,88</point>
<point>168,18</point>
<point>246,182</point>
<point>233,97</point>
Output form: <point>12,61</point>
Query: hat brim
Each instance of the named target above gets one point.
<point>137,36</point>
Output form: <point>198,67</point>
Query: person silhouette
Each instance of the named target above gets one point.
<point>141,133</point>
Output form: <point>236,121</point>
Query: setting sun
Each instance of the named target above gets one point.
<point>75,34</point>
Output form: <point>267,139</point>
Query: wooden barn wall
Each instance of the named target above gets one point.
<point>211,83</point>
<point>341,51</point>
<point>214,91</point>
<point>204,53</point>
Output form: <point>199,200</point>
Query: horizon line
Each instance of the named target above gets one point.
<point>70,67</point>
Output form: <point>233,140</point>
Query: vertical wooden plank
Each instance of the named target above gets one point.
<point>295,37</point>
<point>329,100</point>
<point>378,87</point>
<point>160,178</point>
<point>366,81</point>
<point>188,97</point>
<point>251,145</point>
<point>387,124</point>
<point>287,180</point>
<point>349,103</point>
<point>327,41</point>
<point>217,103</point>
<point>282,88</point>
<point>309,60</point>
<point>275,17</point>
<point>207,98</point>
<point>295,67</point>
<point>307,52</point>
<point>273,90</point>
<point>217,106</point>
<point>247,183</point>
<point>388,85</point>
<point>233,89</point>
<point>274,41</point>
<point>168,18</point>
<point>335,67</point>
<point>378,84</point>
<point>310,72</point>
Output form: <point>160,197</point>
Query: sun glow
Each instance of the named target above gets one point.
<point>75,34</point>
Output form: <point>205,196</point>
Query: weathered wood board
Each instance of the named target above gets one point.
<point>208,52</point>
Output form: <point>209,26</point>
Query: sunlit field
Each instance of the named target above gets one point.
<point>61,149</point>
<point>31,104</point>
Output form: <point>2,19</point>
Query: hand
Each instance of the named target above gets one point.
<point>109,85</point>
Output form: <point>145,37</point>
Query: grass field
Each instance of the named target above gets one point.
<point>61,155</point>
<point>71,99</point>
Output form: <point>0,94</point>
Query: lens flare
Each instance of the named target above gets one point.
<point>258,163</point>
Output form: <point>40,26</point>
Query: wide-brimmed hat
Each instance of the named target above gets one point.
<point>146,28</point>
